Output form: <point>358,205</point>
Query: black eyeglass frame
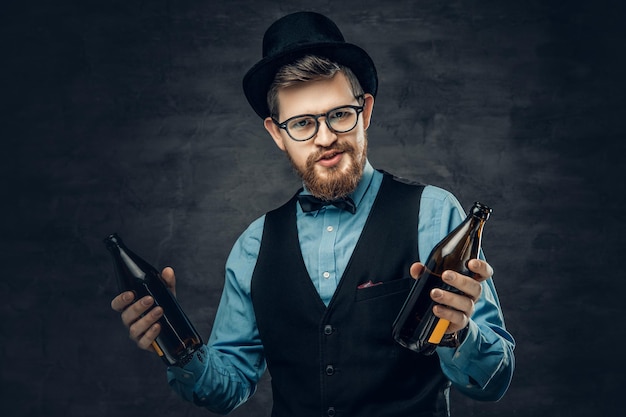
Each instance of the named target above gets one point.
<point>283,125</point>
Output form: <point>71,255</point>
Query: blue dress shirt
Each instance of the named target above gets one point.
<point>230,365</point>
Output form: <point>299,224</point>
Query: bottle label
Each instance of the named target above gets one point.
<point>157,349</point>
<point>438,331</point>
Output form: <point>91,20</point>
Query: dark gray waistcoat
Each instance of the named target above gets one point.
<point>341,360</point>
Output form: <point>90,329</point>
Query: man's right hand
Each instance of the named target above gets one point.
<point>143,330</point>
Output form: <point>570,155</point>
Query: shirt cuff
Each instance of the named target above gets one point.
<point>470,364</point>
<point>183,380</point>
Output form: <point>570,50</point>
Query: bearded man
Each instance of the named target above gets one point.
<point>312,287</point>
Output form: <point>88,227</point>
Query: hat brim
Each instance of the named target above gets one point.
<point>258,79</point>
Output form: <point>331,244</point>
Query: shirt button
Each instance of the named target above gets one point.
<point>330,228</point>
<point>330,370</point>
<point>330,412</point>
<point>326,275</point>
<point>328,329</point>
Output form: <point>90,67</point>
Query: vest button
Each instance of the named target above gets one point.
<point>330,412</point>
<point>328,329</point>
<point>330,370</point>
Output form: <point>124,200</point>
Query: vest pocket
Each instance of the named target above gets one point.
<point>384,289</point>
<point>377,307</point>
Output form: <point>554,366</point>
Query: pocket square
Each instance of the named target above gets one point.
<point>368,284</point>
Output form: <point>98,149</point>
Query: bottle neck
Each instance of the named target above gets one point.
<point>476,232</point>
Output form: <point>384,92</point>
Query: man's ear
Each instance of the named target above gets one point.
<point>275,132</point>
<point>368,108</point>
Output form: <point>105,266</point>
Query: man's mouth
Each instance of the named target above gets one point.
<point>329,155</point>
<point>330,159</point>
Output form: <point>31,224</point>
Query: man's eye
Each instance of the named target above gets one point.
<point>339,114</point>
<point>300,124</point>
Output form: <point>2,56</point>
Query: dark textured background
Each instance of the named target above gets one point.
<point>128,116</point>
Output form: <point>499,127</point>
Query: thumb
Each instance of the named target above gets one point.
<point>170,279</point>
<point>416,269</point>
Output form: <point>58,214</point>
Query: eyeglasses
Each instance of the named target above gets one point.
<point>339,120</point>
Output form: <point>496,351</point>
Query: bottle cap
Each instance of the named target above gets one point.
<point>481,210</point>
<point>112,240</point>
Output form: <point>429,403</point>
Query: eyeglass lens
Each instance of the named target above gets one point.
<point>340,120</point>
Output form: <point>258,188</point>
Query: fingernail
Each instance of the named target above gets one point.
<point>157,312</point>
<point>436,293</point>
<point>448,276</point>
<point>126,297</point>
<point>146,301</point>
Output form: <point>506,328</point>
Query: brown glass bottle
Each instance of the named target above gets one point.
<point>416,327</point>
<point>178,339</point>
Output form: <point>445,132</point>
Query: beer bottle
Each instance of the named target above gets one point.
<point>177,340</point>
<point>416,327</point>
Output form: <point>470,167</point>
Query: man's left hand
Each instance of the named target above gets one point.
<point>457,308</point>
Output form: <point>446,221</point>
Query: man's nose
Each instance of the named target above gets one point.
<point>324,137</point>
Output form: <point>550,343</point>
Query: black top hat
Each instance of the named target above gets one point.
<point>294,36</point>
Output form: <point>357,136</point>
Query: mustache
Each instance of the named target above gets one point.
<point>338,147</point>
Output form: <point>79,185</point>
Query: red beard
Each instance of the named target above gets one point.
<point>335,183</point>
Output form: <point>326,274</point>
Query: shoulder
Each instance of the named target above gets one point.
<point>437,205</point>
<point>438,200</point>
<point>243,255</point>
<point>440,212</point>
<point>249,241</point>
<point>439,197</point>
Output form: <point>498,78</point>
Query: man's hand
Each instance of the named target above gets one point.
<point>143,330</point>
<point>457,308</point>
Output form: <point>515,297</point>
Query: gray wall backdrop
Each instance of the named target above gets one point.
<point>128,116</point>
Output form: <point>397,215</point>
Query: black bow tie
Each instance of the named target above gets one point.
<point>310,203</point>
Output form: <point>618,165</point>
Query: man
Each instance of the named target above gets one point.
<point>311,289</point>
